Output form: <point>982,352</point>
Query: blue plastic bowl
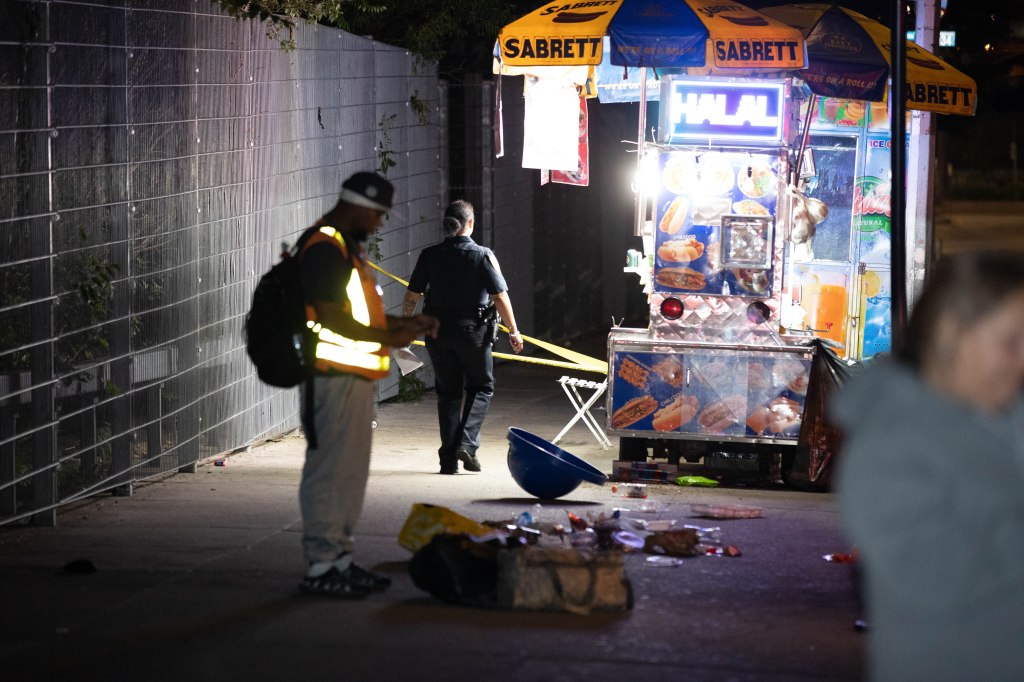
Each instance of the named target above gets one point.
<point>545,470</point>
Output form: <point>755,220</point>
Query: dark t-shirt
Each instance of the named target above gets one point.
<point>458,276</point>
<point>325,272</point>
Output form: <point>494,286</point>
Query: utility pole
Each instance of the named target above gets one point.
<point>920,167</point>
<point>898,173</point>
<point>1013,159</point>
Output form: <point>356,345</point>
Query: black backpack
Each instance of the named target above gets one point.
<point>276,337</point>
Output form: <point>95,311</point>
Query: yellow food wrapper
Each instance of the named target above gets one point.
<point>427,520</point>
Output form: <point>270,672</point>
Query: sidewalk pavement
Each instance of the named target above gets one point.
<point>197,576</point>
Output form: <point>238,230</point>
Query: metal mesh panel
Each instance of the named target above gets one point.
<point>153,158</point>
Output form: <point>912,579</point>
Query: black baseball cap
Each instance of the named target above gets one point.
<point>369,190</point>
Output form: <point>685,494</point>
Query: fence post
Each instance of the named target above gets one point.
<point>121,455</point>
<point>8,427</point>
<point>87,433</point>
<point>154,434</point>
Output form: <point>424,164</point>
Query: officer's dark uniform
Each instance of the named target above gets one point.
<point>457,276</point>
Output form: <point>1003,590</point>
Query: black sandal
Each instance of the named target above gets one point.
<point>367,579</point>
<point>334,583</point>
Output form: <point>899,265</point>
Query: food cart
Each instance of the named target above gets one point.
<point>746,264</point>
<point>763,212</point>
<point>767,247</point>
<point>712,367</point>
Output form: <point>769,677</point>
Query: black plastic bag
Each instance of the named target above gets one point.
<point>455,569</point>
<point>819,440</point>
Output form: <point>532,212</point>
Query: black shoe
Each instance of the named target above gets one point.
<point>335,583</point>
<point>449,465</point>
<point>374,582</point>
<point>469,461</point>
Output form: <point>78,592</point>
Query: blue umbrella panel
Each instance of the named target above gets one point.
<point>663,34</point>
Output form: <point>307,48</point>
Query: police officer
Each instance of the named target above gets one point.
<point>465,290</point>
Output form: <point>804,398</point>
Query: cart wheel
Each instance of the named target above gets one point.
<point>633,449</point>
<point>373,424</point>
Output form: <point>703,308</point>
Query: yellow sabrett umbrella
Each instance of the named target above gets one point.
<point>557,35</point>
<point>651,33</point>
<point>848,57</point>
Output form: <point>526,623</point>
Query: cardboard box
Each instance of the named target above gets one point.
<point>625,470</point>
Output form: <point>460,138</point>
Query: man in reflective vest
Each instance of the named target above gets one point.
<point>353,335</point>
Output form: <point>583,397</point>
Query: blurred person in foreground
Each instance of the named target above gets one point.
<point>466,291</point>
<point>931,480</point>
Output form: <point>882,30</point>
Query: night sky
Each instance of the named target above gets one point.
<point>876,9</point>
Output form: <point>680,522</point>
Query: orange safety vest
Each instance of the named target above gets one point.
<point>334,352</point>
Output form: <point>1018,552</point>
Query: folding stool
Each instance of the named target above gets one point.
<point>571,387</point>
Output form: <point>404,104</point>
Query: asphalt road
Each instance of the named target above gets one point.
<point>964,225</point>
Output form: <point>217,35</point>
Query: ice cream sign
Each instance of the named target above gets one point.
<point>701,111</point>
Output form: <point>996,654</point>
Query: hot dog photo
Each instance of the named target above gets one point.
<point>681,278</point>
<point>633,411</point>
<point>681,250</point>
<point>681,410</point>
<point>723,414</point>
<point>674,216</point>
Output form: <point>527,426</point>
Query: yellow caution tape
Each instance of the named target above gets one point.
<point>584,362</point>
<point>541,361</point>
<point>577,361</point>
<point>382,270</point>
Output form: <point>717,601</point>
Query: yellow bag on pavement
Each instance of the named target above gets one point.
<point>427,520</point>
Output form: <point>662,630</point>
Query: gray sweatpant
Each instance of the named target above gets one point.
<point>335,473</point>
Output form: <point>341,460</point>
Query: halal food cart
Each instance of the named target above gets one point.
<point>713,367</point>
<point>746,263</point>
<point>763,216</point>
